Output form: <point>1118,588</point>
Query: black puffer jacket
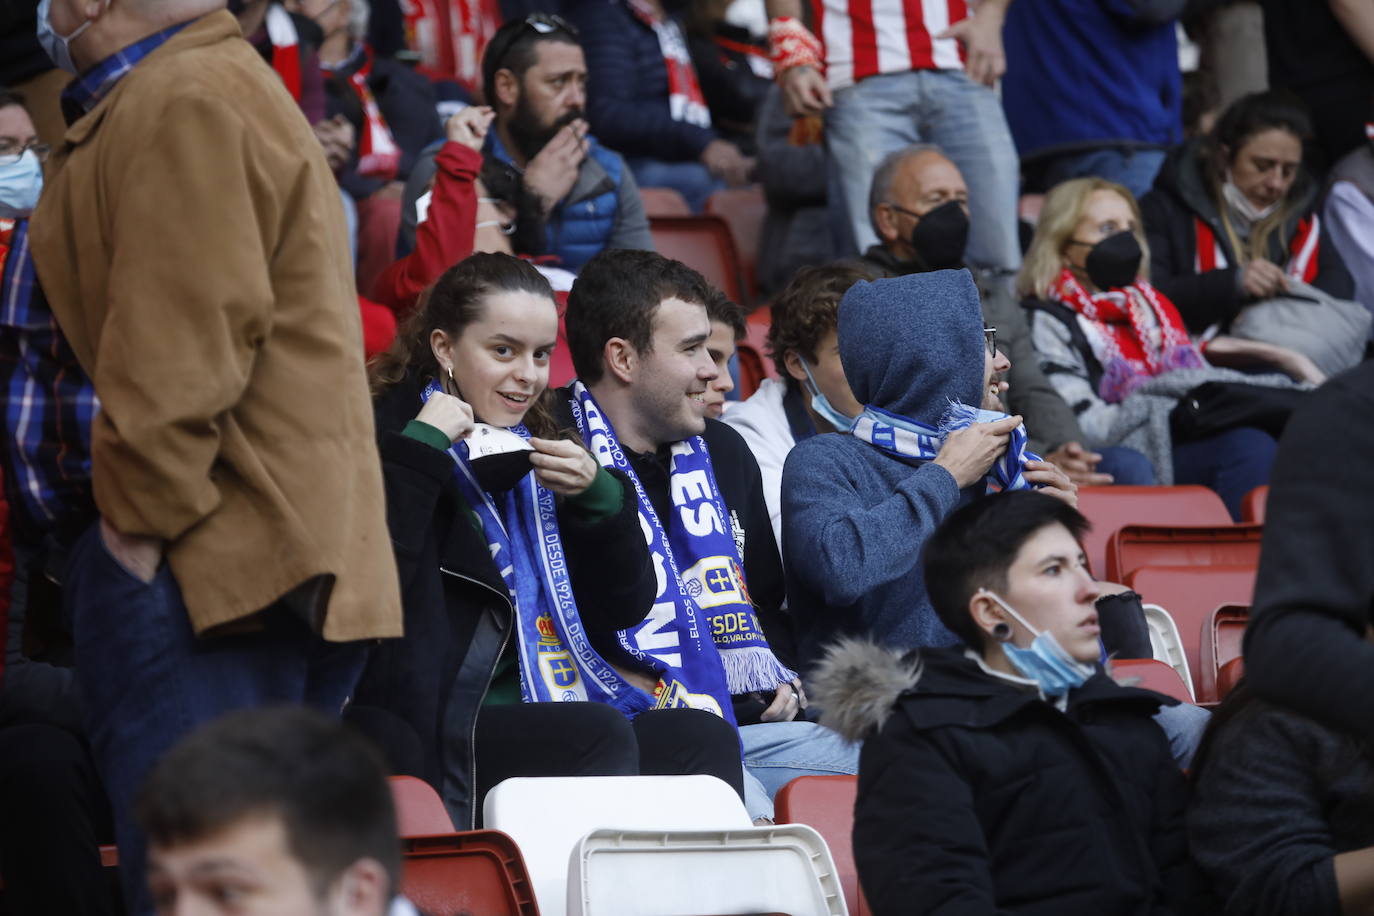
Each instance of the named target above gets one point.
<point>458,615</point>
<point>978,797</point>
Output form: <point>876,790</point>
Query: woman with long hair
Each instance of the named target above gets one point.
<point>518,556</point>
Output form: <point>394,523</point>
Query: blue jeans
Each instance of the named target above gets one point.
<point>690,179</point>
<point>1127,466</point>
<point>775,753</point>
<point>1183,725</point>
<point>1134,168</point>
<point>1233,463</point>
<point>885,113</point>
<point>146,681</point>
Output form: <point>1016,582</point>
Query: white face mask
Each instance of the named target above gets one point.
<point>1241,206</point>
<point>21,182</point>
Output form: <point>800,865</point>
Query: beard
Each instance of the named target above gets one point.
<point>529,133</point>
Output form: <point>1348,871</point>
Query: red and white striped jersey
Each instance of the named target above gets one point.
<point>863,38</point>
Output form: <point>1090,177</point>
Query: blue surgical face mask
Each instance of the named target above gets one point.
<point>20,183</point>
<point>1046,662</point>
<point>57,46</point>
<point>822,406</point>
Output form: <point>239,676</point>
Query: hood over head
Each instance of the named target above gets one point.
<point>909,345</point>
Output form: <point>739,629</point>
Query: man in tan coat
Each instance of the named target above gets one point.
<point>190,242</point>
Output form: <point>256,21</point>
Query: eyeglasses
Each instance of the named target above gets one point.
<point>990,338</point>
<point>12,150</point>
<point>539,23</point>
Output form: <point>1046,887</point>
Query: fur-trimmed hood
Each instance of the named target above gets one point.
<point>856,683</point>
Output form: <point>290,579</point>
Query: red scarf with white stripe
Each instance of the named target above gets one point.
<point>1302,251</point>
<point>286,52</point>
<point>685,99</point>
<point>1135,332</point>
<point>378,155</point>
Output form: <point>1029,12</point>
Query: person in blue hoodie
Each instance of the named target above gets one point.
<point>856,508</point>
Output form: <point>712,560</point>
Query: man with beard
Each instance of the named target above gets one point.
<point>536,80</point>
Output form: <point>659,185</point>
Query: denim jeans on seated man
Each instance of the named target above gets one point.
<point>882,114</point>
<point>775,753</point>
<point>1127,466</point>
<point>147,681</point>
<point>689,178</point>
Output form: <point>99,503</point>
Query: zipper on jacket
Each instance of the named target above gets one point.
<point>505,638</point>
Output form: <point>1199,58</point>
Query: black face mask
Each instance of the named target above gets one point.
<point>499,458</point>
<point>940,236</point>
<point>1114,261</point>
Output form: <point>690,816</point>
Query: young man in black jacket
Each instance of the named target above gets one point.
<point>1010,774</point>
<point>637,328</point>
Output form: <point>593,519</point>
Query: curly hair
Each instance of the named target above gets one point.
<point>809,308</point>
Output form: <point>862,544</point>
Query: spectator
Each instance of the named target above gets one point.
<point>810,394</point>
<point>1093,89</point>
<point>290,43</point>
<point>272,811</point>
<point>857,508</point>
<point>478,672</point>
<point>896,74</point>
<point>1349,212</point>
<point>212,344</point>
<point>1043,785</point>
<point>919,207</point>
<point>727,327</point>
<point>734,70</point>
<point>1232,218</point>
<point>1231,55</point>
<point>637,326</point>
<point>1102,332</point>
<point>536,80</point>
<point>647,103</point>
<point>792,168</point>
<point>1280,817</point>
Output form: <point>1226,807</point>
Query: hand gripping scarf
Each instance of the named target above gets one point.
<point>557,662</point>
<point>909,439</point>
<point>703,629</point>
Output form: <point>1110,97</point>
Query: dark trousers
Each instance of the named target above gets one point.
<point>146,680</point>
<point>1232,463</point>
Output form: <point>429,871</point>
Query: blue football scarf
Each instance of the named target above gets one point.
<point>703,629</point>
<point>906,438</point>
<point>557,662</point>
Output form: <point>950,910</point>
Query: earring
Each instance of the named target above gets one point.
<point>1001,631</point>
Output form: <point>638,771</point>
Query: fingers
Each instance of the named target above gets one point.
<point>1004,426</point>
<point>784,707</point>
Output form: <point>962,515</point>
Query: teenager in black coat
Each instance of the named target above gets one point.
<point>445,701</point>
<point>1010,774</point>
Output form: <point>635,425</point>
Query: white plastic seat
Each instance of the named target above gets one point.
<point>1167,644</point>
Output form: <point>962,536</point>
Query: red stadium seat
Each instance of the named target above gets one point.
<point>1190,594</point>
<point>478,872</point>
<point>419,810</point>
<point>744,209</point>
<point>1135,546</point>
<point>1229,676</point>
<point>1154,675</point>
<point>703,243</point>
<point>1108,508</point>
<point>826,804</point>
<point>1253,506</point>
<point>755,365</point>
<point>664,202</point>
<point>1221,644</point>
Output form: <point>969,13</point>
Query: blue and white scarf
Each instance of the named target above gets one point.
<point>557,662</point>
<point>702,631</point>
<point>906,438</point>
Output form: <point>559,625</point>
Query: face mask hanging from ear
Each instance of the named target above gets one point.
<point>1240,204</point>
<point>822,406</point>
<point>1046,662</point>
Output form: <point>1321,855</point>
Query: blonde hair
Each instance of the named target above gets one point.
<point>1059,218</point>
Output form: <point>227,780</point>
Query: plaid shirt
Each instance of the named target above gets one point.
<point>86,91</point>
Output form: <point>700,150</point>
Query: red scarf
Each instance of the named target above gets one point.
<point>1302,251</point>
<point>378,154</point>
<point>1121,333</point>
<point>685,99</point>
<point>286,53</point>
<point>6,230</point>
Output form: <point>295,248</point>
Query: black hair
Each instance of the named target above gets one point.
<point>324,781</point>
<point>617,294</point>
<point>9,97</point>
<point>1275,109</point>
<point>720,307</point>
<point>809,308</point>
<point>513,47</point>
<point>976,546</point>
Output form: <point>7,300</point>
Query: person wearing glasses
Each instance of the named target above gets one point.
<point>857,508</point>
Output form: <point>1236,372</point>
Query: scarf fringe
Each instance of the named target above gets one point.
<point>751,668</point>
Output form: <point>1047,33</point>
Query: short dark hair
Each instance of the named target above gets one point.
<point>977,544</point>
<point>720,307</point>
<point>514,47</point>
<point>809,308</point>
<point>326,783</point>
<point>9,97</point>
<point>616,294</point>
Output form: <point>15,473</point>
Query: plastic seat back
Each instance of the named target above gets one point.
<point>664,202</point>
<point>1109,508</point>
<point>1135,546</point>
<point>1229,675</point>
<point>755,365</point>
<point>419,810</point>
<point>1221,643</point>
<point>744,210</point>
<point>704,244</point>
<point>1153,674</point>
<point>475,873</point>
<point>1190,594</point>
<point>1253,506</point>
<point>548,816</point>
<point>826,804</point>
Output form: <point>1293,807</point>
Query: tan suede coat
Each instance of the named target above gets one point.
<point>191,242</point>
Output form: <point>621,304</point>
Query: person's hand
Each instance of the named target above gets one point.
<point>563,466</point>
<point>469,126</point>
<point>981,36</point>
<point>1053,482</point>
<point>1300,368</point>
<point>139,555</point>
<point>788,701</point>
<point>1262,279</point>
<point>1079,464</point>
<point>724,160</point>
<point>804,92</point>
<point>451,416</point>
<point>969,452</point>
<point>551,174</point>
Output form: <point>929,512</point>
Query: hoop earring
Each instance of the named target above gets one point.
<point>1001,631</point>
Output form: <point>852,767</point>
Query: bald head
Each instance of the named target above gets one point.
<point>908,184</point>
